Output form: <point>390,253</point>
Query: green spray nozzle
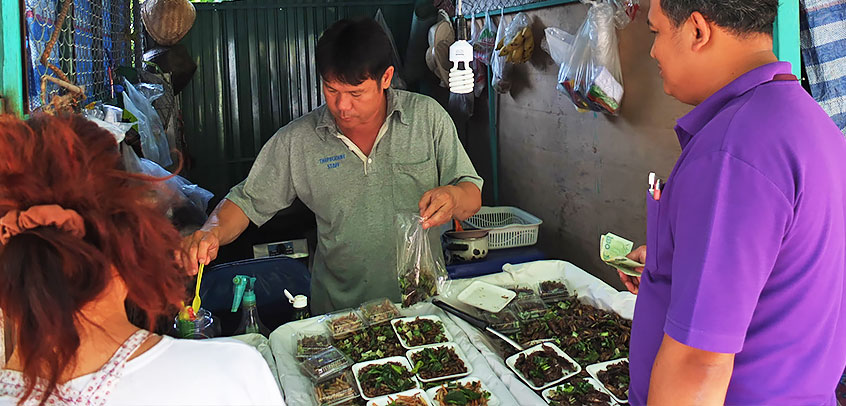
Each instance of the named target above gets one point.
<point>243,288</point>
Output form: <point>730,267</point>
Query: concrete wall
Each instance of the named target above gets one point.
<point>584,174</point>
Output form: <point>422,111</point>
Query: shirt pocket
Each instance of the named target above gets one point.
<point>653,208</point>
<point>410,181</point>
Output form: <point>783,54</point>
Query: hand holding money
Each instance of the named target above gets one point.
<point>613,250</point>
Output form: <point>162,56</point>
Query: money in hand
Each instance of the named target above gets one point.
<point>613,250</point>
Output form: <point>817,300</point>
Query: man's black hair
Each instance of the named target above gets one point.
<point>352,51</point>
<point>738,16</point>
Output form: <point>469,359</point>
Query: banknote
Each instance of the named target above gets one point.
<point>613,250</point>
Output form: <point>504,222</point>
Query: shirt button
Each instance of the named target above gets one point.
<point>370,160</point>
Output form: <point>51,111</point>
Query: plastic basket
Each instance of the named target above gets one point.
<point>509,226</point>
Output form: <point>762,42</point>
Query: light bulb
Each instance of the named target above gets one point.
<point>461,79</point>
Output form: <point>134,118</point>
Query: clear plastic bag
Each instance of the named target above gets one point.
<point>592,76</point>
<point>558,44</point>
<point>154,142</point>
<point>519,42</point>
<point>500,69</point>
<point>421,273</point>
<point>484,40</point>
<point>397,82</point>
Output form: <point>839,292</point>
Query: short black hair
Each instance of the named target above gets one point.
<point>352,51</point>
<point>739,16</point>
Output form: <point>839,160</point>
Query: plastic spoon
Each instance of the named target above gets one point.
<point>196,304</point>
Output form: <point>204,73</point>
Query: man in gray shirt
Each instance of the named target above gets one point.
<point>367,154</point>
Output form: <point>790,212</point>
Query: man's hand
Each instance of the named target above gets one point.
<point>200,247</point>
<point>445,203</point>
<point>633,282</point>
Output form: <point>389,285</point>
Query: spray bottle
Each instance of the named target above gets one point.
<point>250,322</point>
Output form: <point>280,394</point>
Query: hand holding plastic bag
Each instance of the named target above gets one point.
<point>420,272</point>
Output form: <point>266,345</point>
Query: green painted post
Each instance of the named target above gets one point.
<point>786,34</point>
<point>11,57</point>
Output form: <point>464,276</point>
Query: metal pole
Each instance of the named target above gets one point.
<point>138,31</point>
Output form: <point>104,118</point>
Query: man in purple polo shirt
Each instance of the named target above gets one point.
<point>742,297</point>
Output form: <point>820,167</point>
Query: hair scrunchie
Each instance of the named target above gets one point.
<point>16,222</point>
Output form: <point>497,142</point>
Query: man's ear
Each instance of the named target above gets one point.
<point>701,31</point>
<point>386,78</point>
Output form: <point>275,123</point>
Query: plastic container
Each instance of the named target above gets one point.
<point>411,354</point>
<point>504,321</point>
<point>336,390</point>
<point>485,296</point>
<point>325,364</point>
<point>203,326</point>
<point>524,292</point>
<point>311,342</point>
<point>379,311</point>
<point>574,369</point>
<point>509,226</point>
<point>344,323</point>
<point>530,309</point>
<point>552,291</point>
<point>566,386</point>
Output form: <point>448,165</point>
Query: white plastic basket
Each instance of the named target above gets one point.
<point>509,226</point>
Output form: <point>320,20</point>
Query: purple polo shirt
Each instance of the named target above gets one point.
<point>747,245</point>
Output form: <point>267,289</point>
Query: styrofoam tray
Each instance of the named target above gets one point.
<point>513,360</point>
<point>593,382</point>
<point>387,399</point>
<point>492,401</point>
<point>486,296</point>
<point>401,338</point>
<point>458,352</point>
<point>595,369</point>
<point>357,369</point>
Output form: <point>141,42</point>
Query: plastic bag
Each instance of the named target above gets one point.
<point>500,69</point>
<point>592,77</point>
<point>519,42</point>
<point>421,273</point>
<point>154,143</point>
<point>480,70</point>
<point>397,82</point>
<point>484,40</point>
<point>186,202</point>
<point>558,44</point>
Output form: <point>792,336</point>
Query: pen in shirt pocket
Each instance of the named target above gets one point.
<point>658,187</point>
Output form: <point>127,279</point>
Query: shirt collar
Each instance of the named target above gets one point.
<point>700,116</point>
<point>395,105</point>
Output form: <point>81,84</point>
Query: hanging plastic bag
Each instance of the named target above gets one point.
<point>500,68</point>
<point>397,82</point>
<point>485,40</point>
<point>154,143</point>
<point>480,69</point>
<point>558,44</point>
<point>421,273</point>
<point>592,77</point>
<point>519,42</point>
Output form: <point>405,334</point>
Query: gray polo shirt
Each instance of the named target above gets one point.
<point>355,197</point>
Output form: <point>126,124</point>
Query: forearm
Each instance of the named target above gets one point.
<point>683,375</point>
<point>227,222</point>
<point>470,201</point>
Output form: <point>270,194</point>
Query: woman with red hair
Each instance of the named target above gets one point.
<point>79,236</point>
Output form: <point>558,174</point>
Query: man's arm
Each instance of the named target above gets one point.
<point>444,203</point>
<point>223,226</point>
<point>684,375</point>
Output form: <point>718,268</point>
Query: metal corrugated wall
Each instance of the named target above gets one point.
<point>255,73</point>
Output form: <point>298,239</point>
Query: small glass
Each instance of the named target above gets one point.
<point>205,325</point>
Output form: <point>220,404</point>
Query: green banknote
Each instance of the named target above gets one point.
<point>613,250</point>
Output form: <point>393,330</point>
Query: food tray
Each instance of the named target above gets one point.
<point>344,323</point>
<point>356,369</point>
<point>509,226</point>
<point>305,350</point>
<point>386,400</point>
<point>458,352</point>
<point>593,370</point>
<point>512,360</point>
<point>504,321</point>
<point>402,338</point>
<point>492,401</point>
<point>485,296</point>
<point>547,394</point>
<point>341,396</point>
<point>379,311</point>
<point>325,364</point>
